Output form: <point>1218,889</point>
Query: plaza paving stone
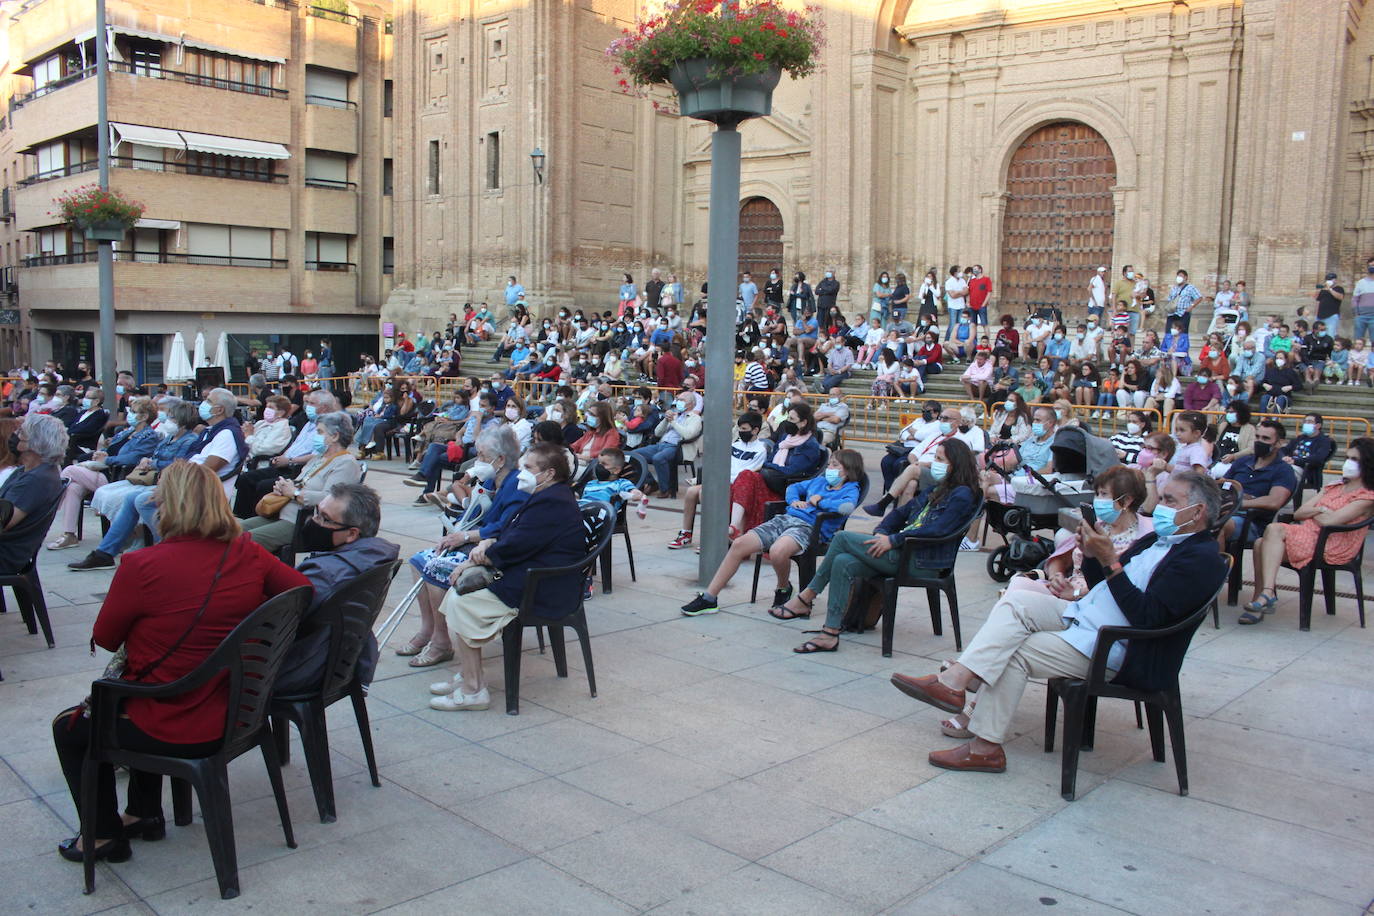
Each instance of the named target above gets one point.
<point>717,772</point>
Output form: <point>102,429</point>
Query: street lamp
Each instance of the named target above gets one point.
<point>537,160</point>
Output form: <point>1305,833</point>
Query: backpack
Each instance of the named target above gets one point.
<point>865,607</point>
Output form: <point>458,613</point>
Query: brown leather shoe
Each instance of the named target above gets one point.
<point>928,689</point>
<point>963,758</point>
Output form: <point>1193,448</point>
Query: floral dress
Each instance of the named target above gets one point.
<point>1300,542</point>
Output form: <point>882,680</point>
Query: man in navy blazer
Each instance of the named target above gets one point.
<point>1159,580</point>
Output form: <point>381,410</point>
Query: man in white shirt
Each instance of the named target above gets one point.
<point>1030,634</point>
<point>252,485</point>
<point>956,297</point>
<point>1038,330</point>
<point>831,416</point>
<point>1097,292</point>
<point>747,453</point>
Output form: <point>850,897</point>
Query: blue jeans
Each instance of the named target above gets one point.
<point>138,507</point>
<point>832,381</point>
<point>662,456</point>
<point>1333,325</point>
<point>1273,403</point>
<point>953,319</point>
<point>1364,327</point>
<point>365,431</point>
<point>432,465</point>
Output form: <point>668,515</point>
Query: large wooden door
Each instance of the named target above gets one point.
<point>760,238</point>
<point>1059,219</point>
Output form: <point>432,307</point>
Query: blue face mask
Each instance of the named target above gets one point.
<point>1037,429</point>
<point>946,427</point>
<point>204,410</point>
<point>319,444</point>
<point>1166,520</point>
<point>833,476</point>
<point>310,411</point>
<point>592,421</point>
<point>1309,429</point>
<point>938,470</point>
<point>1106,510</point>
<point>119,389</point>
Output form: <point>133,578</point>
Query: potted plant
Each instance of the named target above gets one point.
<point>724,58</point>
<point>100,214</point>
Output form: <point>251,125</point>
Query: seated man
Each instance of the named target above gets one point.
<point>978,376</point>
<point>678,434</point>
<point>831,416</point>
<point>252,485</point>
<point>1266,482</point>
<point>747,453</point>
<point>1309,452</point>
<point>342,535</point>
<point>1159,580</point>
<point>955,423</point>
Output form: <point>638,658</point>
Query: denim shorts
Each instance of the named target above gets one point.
<point>780,525</point>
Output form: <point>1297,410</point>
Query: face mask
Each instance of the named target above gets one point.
<point>592,421</point>
<point>772,276</point>
<point>938,470</point>
<point>1130,275</point>
<point>745,435</point>
<point>1350,470</point>
<point>680,406</point>
<point>268,414</point>
<point>1105,509</point>
<point>1309,429</point>
<point>88,403</point>
<point>1279,363</point>
<point>833,476</point>
<point>1262,449</point>
<point>1232,418</point>
<point>526,481</point>
<point>119,389</point>
<point>1146,457</point>
<point>1180,279</point>
<point>1037,429</point>
<point>316,538</point>
<point>1092,324</point>
<point>1008,407</point>
<point>690,364</point>
<point>1058,336</point>
<point>1133,429</point>
<point>162,416</point>
<point>829,275</point>
<point>205,410</point>
<point>320,444</point>
<point>946,427</point>
<point>311,412</point>
<point>482,470</point>
<point>1166,520</point>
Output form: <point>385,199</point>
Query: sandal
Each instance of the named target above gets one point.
<point>431,656</point>
<point>782,612</point>
<point>811,646</point>
<point>954,729</point>
<point>414,647</point>
<point>1264,604</point>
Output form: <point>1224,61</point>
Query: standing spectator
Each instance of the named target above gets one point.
<point>1184,296</point>
<point>956,295</point>
<point>828,291</point>
<point>1329,297</point>
<point>629,294</point>
<point>514,292</point>
<point>1097,292</point>
<point>653,290</point>
<point>1364,308</point>
<point>772,293</point>
<point>882,295</point>
<point>1123,290</point>
<point>979,289</point>
<point>800,298</point>
<point>748,293</point>
<point>901,298</point>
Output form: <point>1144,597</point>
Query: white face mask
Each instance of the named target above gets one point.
<point>483,471</point>
<point>1180,279</point>
<point>526,481</point>
<point>1350,470</point>
<point>1133,428</point>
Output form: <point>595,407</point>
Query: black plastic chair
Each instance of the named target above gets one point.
<point>598,521</point>
<point>1307,576</point>
<point>622,527</point>
<point>806,560</point>
<point>28,589</point>
<point>349,614</point>
<point>1080,696</point>
<point>1236,547</point>
<point>250,657</point>
<point>944,581</point>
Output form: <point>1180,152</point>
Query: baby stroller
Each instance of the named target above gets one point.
<point>1078,458</point>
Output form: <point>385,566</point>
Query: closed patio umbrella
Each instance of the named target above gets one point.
<point>222,354</point>
<point>178,366</point>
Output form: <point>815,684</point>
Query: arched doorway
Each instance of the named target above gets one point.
<point>760,238</point>
<point>1059,219</point>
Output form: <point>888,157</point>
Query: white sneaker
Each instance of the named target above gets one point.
<point>458,701</point>
<point>968,545</point>
<point>444,688</point>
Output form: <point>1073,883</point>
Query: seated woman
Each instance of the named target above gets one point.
<point>601,433</point>
<point>401,406</point>
<point>1344,503</point>
<point>940,510</point>
<point>786,535</point>
<point>273,433</point>
<point>169,606</point>
<point>332,464</point>
<point>546,530</point>
<point>179,441</point>
<point>495,471</point>
<point>123,452</point>
<point>1235,434</point>
<point>797,453</point>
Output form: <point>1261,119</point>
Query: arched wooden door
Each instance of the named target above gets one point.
<point>760,238</point>
<point>1059,219</point>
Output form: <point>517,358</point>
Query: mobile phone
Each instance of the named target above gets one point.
<point>1089,515</point>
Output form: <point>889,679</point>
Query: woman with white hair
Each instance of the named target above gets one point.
<point>332,464</point>
<point>40,443</point>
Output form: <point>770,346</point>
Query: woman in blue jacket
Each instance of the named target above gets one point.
<point>941,510</point>
<point>788,534</point>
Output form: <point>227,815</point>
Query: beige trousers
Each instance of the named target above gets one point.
<point>1017,643</point>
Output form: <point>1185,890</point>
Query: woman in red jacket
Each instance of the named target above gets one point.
<point>169,606</point>
<point>601,433</point>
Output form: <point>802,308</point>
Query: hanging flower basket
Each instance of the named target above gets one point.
<point>723,59</point>
<point>99,214</point>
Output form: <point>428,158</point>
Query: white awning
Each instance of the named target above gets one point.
<point>147,223</point>
<point>143,33</point>
<point>234,52</point>
<point>233,146</point>
<point>148,136</point>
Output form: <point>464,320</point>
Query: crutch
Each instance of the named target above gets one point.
<point>477,507</point>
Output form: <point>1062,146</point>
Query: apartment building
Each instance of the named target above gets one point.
<point>257,136</point>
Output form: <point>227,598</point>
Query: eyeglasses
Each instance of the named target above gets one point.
<point>327,522</point>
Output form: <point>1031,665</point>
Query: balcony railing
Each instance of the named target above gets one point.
<point>78,76</point>
<point>76,168</point>
<point>328,101</point>
<point>157,257</point>
<point>324,12</point>
<point>196,79</point>
<point>207,171</point>
<point>331,183</point>
<point>335,266</point>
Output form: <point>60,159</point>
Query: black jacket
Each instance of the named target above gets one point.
<point>546,531</point>
<point>826,291</point>
<point>1189,574</point>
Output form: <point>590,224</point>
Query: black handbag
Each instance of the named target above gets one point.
<point>897,450</point>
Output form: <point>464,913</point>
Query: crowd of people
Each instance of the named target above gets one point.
<point>584,407</point>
